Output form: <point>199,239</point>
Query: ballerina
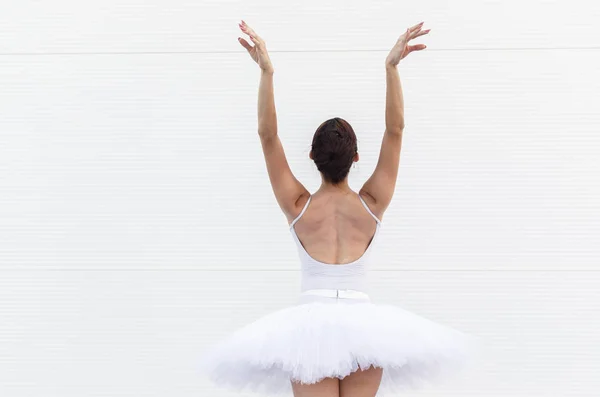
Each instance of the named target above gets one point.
<point>335,342</point>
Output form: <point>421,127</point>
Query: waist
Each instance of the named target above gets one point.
<point>336,293</point>
<point>334,277</point>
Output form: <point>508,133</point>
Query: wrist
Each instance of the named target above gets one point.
<point>268,71</point>
<point>390,66</point>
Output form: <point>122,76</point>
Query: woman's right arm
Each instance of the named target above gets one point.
<point>379,188</point>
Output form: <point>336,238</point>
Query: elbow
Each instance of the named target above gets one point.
<point>396,129</point>
<point>267,127</point>
<point>401,123</point>
<point>395,122</point>
<point>267,133</point>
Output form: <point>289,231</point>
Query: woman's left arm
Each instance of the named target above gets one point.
<point>288,190</point>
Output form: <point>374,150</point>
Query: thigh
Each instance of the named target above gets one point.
<point>362,383</point>
<point>328,387</point>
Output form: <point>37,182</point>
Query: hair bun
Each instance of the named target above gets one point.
<point>333,148</point>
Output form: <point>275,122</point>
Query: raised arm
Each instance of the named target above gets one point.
<point>287,189</point>
<point>379,188</point>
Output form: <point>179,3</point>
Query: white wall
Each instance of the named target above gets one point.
<point>137,223</point>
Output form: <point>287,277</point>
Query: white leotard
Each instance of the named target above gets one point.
<point>320,275</point>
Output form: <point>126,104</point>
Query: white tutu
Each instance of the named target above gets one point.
<point>318,339</point>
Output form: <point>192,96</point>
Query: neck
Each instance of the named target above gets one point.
<point>341,187</point>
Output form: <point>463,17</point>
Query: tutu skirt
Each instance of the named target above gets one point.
<point>331,337</point>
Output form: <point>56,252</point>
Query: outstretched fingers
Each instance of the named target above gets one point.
<point>419,33</point>
<point>250,32</point>
<point>417,26</point>
<point>416,47</point>
<point>413,33</point>
<point>245,44</point>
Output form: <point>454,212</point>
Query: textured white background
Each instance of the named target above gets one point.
<point>137,224</point>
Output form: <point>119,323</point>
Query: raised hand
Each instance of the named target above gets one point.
<point>401,49</point>
<point>258,52</point>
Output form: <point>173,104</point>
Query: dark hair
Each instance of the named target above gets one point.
<point>333,148</point>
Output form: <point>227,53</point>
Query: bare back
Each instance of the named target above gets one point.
<point>335,229</point>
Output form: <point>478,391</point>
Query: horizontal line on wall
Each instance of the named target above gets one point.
<point>289,270</point>
<point>593,48</point>
<point>590,253</point>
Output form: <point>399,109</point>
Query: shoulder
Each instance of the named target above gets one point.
<point>371,203</point>
<point>297,207</point>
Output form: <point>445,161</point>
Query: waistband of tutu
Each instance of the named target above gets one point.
<point>337,293</point>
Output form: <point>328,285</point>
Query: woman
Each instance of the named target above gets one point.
<point>334,342</point>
